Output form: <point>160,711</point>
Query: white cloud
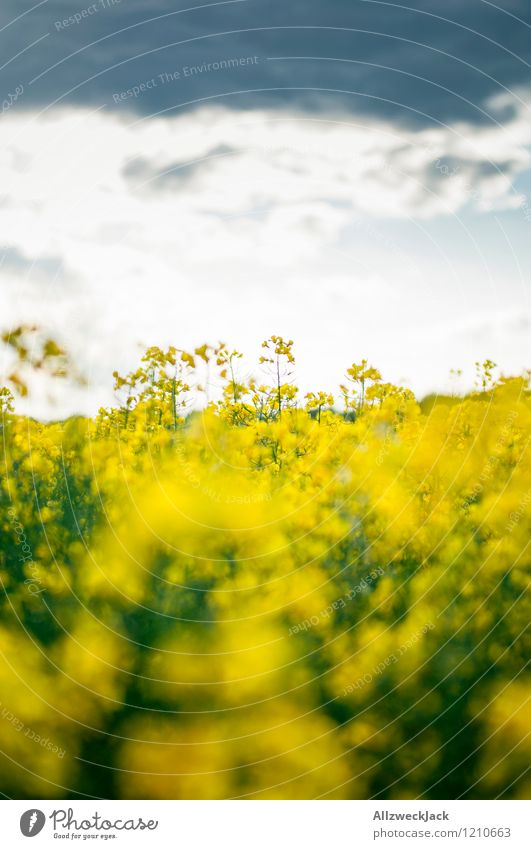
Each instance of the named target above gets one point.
<point>217,223</point>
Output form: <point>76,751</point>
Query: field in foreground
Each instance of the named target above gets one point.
<point>270,598</point>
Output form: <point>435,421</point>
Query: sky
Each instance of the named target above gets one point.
<point>354,175</point>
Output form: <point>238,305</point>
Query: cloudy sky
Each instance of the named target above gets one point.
<point>353,174</point>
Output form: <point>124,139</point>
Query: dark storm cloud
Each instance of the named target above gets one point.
<point>145,175</point>
<point>477,175</point>
<point>368,57</point>
<point>12,260</point>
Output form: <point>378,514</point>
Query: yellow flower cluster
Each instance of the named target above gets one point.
<point>265,598</point>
